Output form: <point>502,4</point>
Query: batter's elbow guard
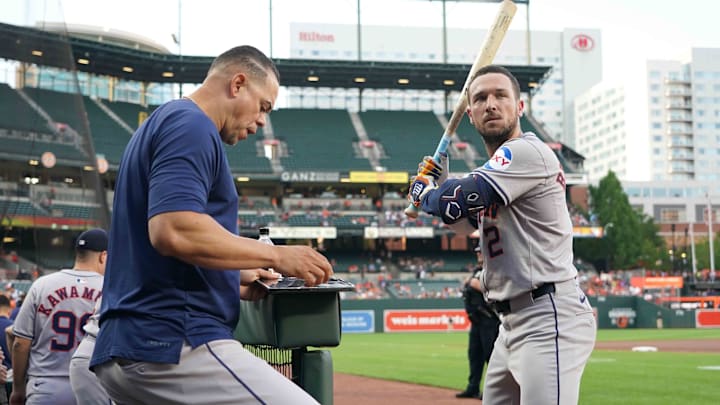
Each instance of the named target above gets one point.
<point>454,199</point>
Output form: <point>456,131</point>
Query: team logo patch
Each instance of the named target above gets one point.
<point>500,160</point>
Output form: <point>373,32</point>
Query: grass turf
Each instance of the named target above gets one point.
<point>611,377</point>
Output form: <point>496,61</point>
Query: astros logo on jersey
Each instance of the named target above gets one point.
<point>500,160</point>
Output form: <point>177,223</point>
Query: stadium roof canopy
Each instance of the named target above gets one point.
<point>40,47</point>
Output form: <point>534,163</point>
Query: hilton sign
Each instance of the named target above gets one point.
<point>316,37</point>
<point>583,43</point>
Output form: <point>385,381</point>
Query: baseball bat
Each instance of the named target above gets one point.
<point>487,53</point>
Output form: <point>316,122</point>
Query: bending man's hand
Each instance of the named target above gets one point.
<point>249,290</point>
<point>248,277</point>
<point>305,263</point>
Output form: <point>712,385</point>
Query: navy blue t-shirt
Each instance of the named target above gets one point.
<point>152,304</point>
<point>4,323</point>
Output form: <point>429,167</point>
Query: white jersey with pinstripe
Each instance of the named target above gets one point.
<point>527,241</point>
<point>53,315</point>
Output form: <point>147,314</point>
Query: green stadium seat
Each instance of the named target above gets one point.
<point>109,138</point>
<point>18,114</point>
<point>406,136</point>
<point>318,140</point>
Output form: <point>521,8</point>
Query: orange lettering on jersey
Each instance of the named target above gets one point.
<point>74,292</point>
<point>561,179</point>
<point>490,211</point>
<point>88,293</point>
<point>52,300</point>
<point>61,293</point>
<point>44,311</point>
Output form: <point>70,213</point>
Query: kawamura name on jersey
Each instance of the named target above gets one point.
<point>63,293</point>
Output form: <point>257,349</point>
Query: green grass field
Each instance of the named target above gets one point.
<point>611,377</point>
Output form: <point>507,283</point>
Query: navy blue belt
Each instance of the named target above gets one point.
<point>503,307</point>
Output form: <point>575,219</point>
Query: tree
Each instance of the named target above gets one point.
<point>652,249</point>
<point>702,252</point>
<point>631,238</point>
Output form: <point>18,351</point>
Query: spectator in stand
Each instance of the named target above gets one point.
<point>18,304</point>
<point>5,322</point>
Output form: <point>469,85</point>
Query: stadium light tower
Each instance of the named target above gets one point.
<point>710,236</point>
<point>527,24</point>
<point>178,39</point>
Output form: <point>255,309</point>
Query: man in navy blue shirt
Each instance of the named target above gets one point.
<point>5,322</point>
<point>175,266</point>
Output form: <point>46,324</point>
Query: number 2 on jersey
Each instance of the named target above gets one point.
<point>492,236</point>
<point>67,324</point>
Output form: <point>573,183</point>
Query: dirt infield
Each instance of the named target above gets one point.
<point>352,390</point>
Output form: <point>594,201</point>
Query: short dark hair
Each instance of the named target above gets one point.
<point>250,58</point>
<point>82,254</point>
<point>497,69</point>
<point>4,301</point>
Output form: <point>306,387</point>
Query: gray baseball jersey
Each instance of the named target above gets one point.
<point>91,328</point>
<point>527,241</point>
<point>53,315</point>
<point>85,384</point>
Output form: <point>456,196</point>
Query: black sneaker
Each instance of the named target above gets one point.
<point>468,394</point>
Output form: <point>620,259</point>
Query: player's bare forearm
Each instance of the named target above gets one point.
<point>9,339</point>
<point>200,240</point>
<point>20,354</point>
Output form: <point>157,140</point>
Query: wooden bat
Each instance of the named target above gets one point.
<point>487,53</point>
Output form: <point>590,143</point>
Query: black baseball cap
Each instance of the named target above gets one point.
<point>92,239</point>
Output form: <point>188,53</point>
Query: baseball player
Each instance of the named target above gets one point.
<point>50,324</point>
<point>517,201</point>
<point>171,299</point>
<point>85,385</point>
<point>484,325</point>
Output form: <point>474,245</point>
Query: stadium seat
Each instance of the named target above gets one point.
<point>318,140</point>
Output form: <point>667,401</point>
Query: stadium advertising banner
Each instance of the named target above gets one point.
<point>425,320</point>
<point>358,321</point>
<point>303,232</point>
<point>379,177</point>
<point>27,221</point>
<point>622,317</point>
<point>588,231</point>
<point>707,318</point>
<point>423,232</point>
<point>647,283</point>
<point>310,177</point>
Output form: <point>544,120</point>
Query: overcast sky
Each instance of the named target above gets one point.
<point>632,30</point>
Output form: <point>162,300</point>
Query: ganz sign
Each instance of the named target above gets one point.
<point>582,43</point>
<point>311,177</point>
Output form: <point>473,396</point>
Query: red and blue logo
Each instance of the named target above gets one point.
<point>500,160</point>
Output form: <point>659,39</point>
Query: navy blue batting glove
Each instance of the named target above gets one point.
<point>420,186</point>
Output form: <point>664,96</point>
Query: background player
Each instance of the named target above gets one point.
<point>84,383</point>
<point>171,297</point>
<point>5,322</point>
<point>49,325</point>
<point>484,325</point>
<point>517,199</point>
<point>86,386</point>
